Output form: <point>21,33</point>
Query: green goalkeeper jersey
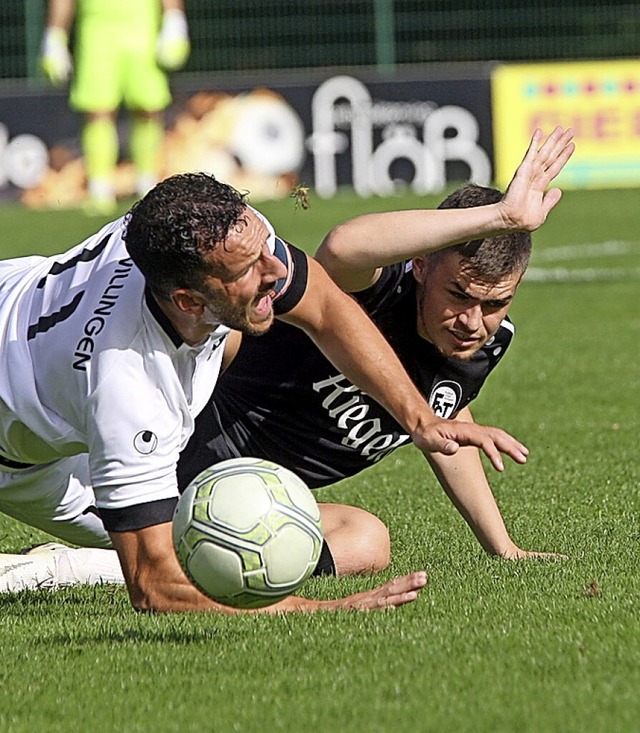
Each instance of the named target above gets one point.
<point>115,56</point>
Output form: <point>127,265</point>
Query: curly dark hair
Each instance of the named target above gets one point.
<point>493,257</point>
<point>176,224</point>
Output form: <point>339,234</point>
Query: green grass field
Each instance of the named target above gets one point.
<point>490,646</point>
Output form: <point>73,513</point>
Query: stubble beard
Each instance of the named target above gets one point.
<point>236,318</point>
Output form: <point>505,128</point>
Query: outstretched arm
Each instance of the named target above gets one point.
<point>155,582</point>
<point>464,481</point>
<point>354,252</point>
<point>350,340</point>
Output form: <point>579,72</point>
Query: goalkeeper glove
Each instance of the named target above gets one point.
<point>173,42</point>
<point>55,57</point>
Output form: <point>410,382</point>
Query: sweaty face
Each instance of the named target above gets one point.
<point>239,293</point>
<point>457,311</point>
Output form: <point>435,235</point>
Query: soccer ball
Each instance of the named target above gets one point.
<point>247,532</point>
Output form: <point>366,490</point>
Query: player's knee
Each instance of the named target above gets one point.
<point>378,544</point>
<point>357,540</point>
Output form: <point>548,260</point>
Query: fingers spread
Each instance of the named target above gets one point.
<point>392,594</point>
<point>555,152</point>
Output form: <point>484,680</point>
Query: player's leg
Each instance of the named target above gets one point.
<point>145,143</point>
<point>358,541</point>
<point>146,94</point>
<point>58,500</point>
<point>96,92</point>
<point>100,148</point>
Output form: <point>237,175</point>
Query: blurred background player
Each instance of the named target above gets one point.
<point>122,51</point>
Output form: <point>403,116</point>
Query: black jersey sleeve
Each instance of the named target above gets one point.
<point>138,516</point>
<point>290,289</point>
<point>387,289</point>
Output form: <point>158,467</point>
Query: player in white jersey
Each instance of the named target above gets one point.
<point>411,234</point>
<point>123,392</point>
<point>110,350</point>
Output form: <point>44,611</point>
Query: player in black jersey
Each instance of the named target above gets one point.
<point>445,315</point>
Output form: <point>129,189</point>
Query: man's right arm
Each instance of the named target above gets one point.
<point>156,582</point>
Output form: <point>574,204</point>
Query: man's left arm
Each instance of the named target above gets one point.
<point>463,479</point>
<point>351,341</point>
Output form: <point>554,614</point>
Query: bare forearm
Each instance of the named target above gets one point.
<point>61,13</point>
<point>464,481</point>
<point>180,596</point>
<point>405,234</point>
<point>352,342</point>
<point>183,598</point>
<point>155,582</point>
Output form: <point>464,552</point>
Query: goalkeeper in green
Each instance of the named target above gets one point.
<point>121,53</point>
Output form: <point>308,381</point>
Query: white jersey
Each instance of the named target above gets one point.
<point>90,365</point>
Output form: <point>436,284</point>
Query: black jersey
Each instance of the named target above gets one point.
<point>282,400</point>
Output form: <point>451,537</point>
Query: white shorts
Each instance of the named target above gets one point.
<point>56,498</point>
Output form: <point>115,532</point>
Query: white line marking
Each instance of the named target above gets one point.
<point>575,251</point>
<point>590,274</point>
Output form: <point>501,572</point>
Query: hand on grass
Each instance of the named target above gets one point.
<point>396,592</point>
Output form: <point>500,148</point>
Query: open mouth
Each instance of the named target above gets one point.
<point>262,306</point>
<point>464,339</point>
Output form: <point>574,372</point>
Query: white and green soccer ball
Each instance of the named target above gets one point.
<point>247,532</point>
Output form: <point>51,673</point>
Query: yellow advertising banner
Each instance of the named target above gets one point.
<point>599,100</point>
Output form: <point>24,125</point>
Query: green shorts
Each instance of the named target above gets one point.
<point>114,68</point>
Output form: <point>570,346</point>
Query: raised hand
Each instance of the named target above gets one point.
<point>527,203</point>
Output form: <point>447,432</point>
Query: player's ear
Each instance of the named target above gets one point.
<point>419,269</point>
<point>188,301</point>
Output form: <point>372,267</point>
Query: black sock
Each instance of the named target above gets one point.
<point>325,565</point>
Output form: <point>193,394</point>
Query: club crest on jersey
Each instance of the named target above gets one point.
<point>445,398</point>
<point>145,442</point>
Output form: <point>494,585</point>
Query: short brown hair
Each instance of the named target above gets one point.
<point>490,258</point>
